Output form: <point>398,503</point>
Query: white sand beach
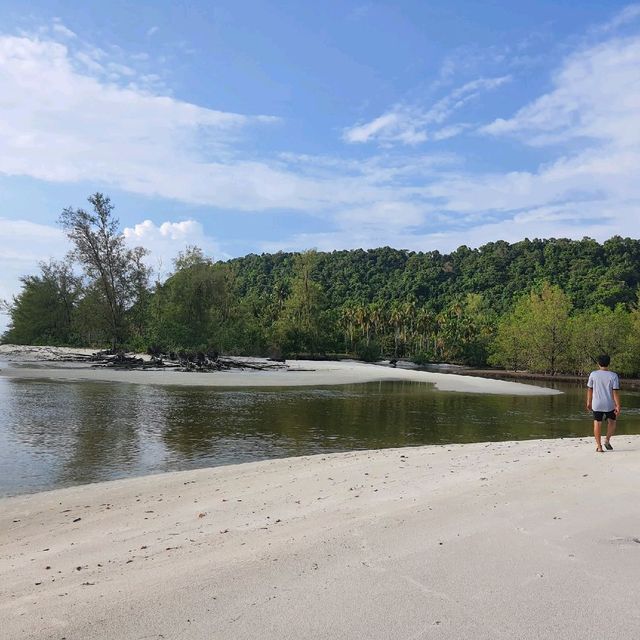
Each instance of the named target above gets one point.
<point>36,363</point>
<point>527,540</point>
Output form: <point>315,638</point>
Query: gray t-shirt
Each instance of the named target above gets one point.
<point>603,383</point>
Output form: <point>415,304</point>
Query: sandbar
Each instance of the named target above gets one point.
<point>295,373</point>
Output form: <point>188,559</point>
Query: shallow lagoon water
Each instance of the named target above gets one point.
<point>57,434</point>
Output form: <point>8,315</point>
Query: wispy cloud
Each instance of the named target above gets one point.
<point>589,127</point>
<point>61,30</point>
<point>414,124</point>
<point>596,96</point>
<point>627,15</point>
<point>359,12</point>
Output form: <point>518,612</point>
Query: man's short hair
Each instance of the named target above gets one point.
<point>604,360</point>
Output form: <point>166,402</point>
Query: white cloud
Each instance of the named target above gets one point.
<point>412,124</point>
<point>26,242</point>
<point>72,114</point>
<point>364,132</point>
<point>166,240</point>
<point>60,122</point>
<point>59,29</point>
<point>450,131</point>
<point>384,216</point>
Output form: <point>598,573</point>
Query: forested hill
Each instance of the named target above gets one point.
<point>590,273</point>
<point>544,305</point>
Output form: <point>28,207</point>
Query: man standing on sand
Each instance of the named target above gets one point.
<point>604,400</point>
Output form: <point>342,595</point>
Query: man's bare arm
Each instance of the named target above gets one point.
<point>616,399</point>
<point>589,398</point>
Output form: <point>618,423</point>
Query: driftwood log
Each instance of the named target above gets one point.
<point>181,360</point>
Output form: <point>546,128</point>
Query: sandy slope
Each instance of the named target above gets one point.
<point>537,539</point>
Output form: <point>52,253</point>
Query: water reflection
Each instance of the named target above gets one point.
<point>55,434</point>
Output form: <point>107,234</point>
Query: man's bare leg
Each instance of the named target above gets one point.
<point>597,434</point>
<point>611,429</point>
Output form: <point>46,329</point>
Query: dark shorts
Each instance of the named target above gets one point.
<point>599,416</point>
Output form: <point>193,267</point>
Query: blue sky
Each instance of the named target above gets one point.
<point>250,126</point>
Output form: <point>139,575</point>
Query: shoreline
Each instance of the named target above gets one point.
<point>628,383</point>
<point>464,540</point>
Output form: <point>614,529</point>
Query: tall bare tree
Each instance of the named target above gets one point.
<point>116,272</point>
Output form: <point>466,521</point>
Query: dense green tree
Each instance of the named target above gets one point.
<point>509,349</point>
<point>42,313</point>
<point>628,360</point>
<point>542,321</point>
<point>90,323</point>
<point>188,310</point>
<point>300,327</point>
<point>465,328</point>
<point>599,330</point>
<point>547,329</point>
<point>424,338</point>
